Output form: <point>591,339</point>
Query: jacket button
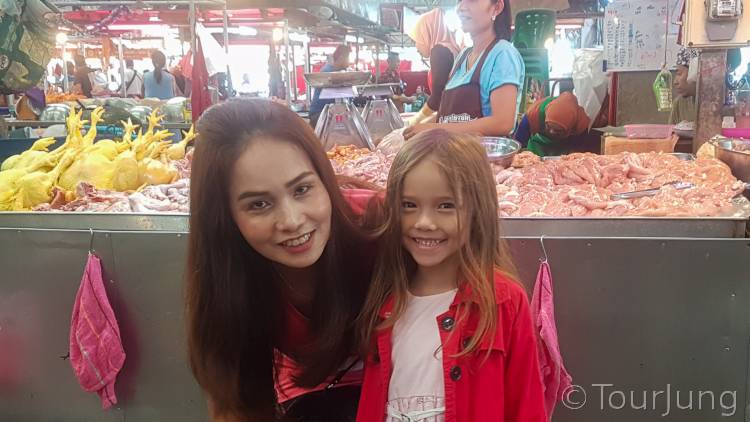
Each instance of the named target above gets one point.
<point>447,323</point>
<point>456,373</point>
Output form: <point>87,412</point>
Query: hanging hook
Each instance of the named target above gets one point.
<point>541,240</point>
<point>91,240</point>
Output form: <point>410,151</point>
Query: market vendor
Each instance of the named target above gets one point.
<point>339,61</point>
<point>393,76</point>
<point>684,108</point>
<point>484,92</point>
<point>551,124</point>
<point>434,41</point>
<point>83,76</point>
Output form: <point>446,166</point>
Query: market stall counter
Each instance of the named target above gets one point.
<point>640,314</point>
<point>652,293</point>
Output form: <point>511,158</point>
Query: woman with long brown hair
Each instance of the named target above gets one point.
<point>277,270</point>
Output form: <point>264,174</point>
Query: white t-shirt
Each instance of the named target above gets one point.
<point>417,380</point>
<point>136,87</point>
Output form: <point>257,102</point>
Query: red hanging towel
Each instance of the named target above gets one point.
<point>96,351</point>
<point>555,378</point>
<point>200,98</point>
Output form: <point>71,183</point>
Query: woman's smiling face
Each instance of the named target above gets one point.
<point>279,203</point>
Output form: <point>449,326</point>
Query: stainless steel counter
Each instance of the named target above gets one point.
<point>634,315</point>
<point>724,227</point>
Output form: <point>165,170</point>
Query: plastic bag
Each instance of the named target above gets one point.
<point>590,81</point>
<point>23,62</point>
<point>392,142</point>
<point>11,7</point>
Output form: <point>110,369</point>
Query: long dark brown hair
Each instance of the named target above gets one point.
<point>502,23</point>
<point>159,61</point>
<point>233,298</point>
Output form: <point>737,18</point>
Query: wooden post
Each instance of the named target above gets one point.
<point>710,95</point>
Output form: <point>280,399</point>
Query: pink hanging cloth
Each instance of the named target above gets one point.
<point>96,352</point>
<point>555,378</point>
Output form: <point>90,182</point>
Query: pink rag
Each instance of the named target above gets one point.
<point>96,351</point>
<point>555,378</point>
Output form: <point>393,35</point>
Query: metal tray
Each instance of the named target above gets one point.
<point>733,226</point>
<point>337,79</point>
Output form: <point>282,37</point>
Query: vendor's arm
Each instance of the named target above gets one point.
<point>500,123</point>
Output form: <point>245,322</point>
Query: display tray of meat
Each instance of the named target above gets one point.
<point>691,198</point>
<point>572,195</point>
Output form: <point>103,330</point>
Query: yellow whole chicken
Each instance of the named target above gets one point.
<point>38,151</point>
<point>91,167</point>
<point>36,188</point>
<point>28,179</point>
<point>177,151</point>
<point>125,173</point>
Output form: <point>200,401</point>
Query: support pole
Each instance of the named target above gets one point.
<point>294,73</point>
<point>710,95</point>
<point>121,56</point>
<point>286,62</point>
<point>377,63</point>
<point>226,48</point>
<point>66,83</point>
<point>356,52</point>
<point>308,69</point>
<point>192,19</point>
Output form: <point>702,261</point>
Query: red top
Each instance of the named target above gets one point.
<point>502,386</point>
<point>297,328</point>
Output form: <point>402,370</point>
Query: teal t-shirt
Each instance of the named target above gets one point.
<point>503,66</point>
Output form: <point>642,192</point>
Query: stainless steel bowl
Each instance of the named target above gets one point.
<point>337,79</point>
<point>683,156</point>
<point>501,150</point>
<point>173,110</point>
<point>736,154</point>
<point>55,113</point>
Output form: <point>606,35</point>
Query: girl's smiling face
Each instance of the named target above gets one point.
<point>430,217</point>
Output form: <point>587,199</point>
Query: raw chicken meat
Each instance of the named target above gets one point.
<point>370,166</point>
<point>170,198</point>
<point>580,185</point>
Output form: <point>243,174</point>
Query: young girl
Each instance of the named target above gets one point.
<point>447,331</point>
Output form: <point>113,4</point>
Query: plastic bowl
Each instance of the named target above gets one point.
<point>738,133</point>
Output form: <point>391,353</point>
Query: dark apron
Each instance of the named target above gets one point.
<point>464,103</point>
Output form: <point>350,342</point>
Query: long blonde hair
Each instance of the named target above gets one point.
<point>463,161</point>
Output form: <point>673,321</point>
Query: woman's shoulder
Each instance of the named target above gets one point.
<point>504,50</point>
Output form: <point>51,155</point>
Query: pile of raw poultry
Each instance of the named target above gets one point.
<point>145,173</point>
<point>581,185</point>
